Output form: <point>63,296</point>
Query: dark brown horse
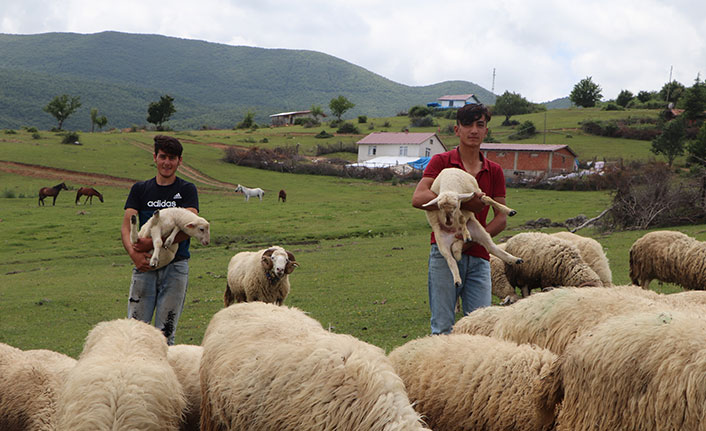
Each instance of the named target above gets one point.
<point>89,192</point>
<point>50,191</point>
<point>282,196</point>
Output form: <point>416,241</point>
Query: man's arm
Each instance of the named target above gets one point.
<point>499,221</point>
<point>140,252</point>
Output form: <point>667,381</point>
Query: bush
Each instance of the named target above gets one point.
<point>362,119</point>
<point>348,128</point>
<point>70,138</point>
<point>612,107</point>
<point>31,129</point>
<point>420,111</point>
<point>386,124</point>
<point>10,132</point>
<point>36,135</point>
<point>427,121</point>
<point>306,122</point>
<point>336,148</point>
<point>526,130</point>
<point>323,135</point>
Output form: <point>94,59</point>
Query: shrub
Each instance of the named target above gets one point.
<point>306,122</point>
<point>348,128</point>
<point>70,138</point>
<point>386,124</point>
<point>336,148</point>
<point>10,194</point>
<point>10,132</point>
<point>36,135</point>
<point>420,111</point>
<point>323,135</point>
<point>426,121</point>
<point>526,130</point>
<point>362,119</point>
<point>612,107</point>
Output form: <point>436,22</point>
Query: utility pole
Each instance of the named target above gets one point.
<point>492,88</point>
<point>669,84</point>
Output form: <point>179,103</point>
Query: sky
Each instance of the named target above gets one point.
<point>537,48</point>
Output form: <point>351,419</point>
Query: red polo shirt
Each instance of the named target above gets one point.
<point>491,181</point>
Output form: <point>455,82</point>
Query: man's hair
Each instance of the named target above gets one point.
<point>471,113</point>
<point>168,145</point>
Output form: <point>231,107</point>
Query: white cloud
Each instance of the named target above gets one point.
<point>539,49</point>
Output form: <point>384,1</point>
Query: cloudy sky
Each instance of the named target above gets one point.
<point>538,48</point>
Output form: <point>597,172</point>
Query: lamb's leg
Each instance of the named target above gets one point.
<point>133,229</point>
<point>444,241</point>
<point>482,237</point>
<point>498,206</point>
<point>170,239</point>
<point>156,234</point>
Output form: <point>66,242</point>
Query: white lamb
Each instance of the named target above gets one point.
<point>453,186</point>
<point>169,221</point>
<point>266,367</point>
<point>259,276</point>
<point>122,381</point>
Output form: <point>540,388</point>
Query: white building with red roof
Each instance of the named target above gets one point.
<point>382,149</point>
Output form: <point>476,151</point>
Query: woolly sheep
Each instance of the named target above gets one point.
<point>668,256</point>
<point>169,221</point>
<point>185,360</point>
<point>452,187</point>
<point>467,382</point>
<point>549,262</point>
<point>29,383</point>
<point>638,371</point>
<point>268,367</point>
<point>122,380</point>
<point>592,253</point>
<point>553,319</point>
<point>259,276</point>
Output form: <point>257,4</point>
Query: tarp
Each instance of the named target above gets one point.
<point>420,163</point>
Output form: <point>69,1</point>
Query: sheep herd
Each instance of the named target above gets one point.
<point>582,355</point>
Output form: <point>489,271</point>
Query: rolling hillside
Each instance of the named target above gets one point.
<point>213,84</point>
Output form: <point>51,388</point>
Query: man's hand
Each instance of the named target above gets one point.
<point>474,204</point>
<point>141,260</point>
<point>143,245</point>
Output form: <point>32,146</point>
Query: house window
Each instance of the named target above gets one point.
<point>427,152</point>
<point>451,103</point>
<point>403,150</point>
<point>501,154</point>
<point>534,155</point>
<point>372,150</point>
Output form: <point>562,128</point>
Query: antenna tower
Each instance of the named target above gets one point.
<point>492,89</point>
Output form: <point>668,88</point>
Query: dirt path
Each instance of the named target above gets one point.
<point>93,179</point>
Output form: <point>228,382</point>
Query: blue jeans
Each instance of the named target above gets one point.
<point>162,293</point>
<point>475,290</point>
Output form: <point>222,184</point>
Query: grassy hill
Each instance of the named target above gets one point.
<point>213,84</point>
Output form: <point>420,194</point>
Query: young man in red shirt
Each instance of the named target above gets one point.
<point>475,291</point>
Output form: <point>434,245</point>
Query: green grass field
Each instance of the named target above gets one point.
<point>361,246</point>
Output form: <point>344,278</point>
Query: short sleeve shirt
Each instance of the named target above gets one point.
<point>148,196</point>
<point>491,181</point>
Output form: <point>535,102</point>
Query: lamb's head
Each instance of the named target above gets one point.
<point>278,261</point>
<point>449,204</point>
<point>199,228</point>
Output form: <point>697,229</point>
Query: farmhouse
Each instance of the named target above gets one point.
<point>382,149</point>
<point>528,161</point>
<point>288,118</point>
<point>456,100</point>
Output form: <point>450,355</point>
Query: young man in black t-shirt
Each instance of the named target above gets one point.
<point>159,292</point>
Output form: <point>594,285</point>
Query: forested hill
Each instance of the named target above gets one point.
<point>213,84</point>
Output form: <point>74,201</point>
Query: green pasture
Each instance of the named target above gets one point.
<point>361,246</point>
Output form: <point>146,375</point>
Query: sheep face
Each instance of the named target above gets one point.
<point>278,261</point>
<point>449,203</point>
<point>199,229</point>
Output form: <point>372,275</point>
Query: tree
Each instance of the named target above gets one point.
<point>339,105</point>
<point>61,107</point>
<point>671,141</point>
<point>695,101</point>
<point>509,104</point>
<point>697,147</point>
<point>643,96</point>
<point>624,97</point>
<point>96,120</point>
<point>316,112</point>
<point>248,121</point>
<point>586,93</point>
<point>159,112</point>
<point>671,91</point>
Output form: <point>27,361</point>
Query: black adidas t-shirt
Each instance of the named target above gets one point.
<point>148,196</point>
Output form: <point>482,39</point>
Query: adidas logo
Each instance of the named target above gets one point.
<point>177,196</point>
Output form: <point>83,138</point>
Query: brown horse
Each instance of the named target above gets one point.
<point>50,191</point>
<point>282,196</point>
<point>89,192</point>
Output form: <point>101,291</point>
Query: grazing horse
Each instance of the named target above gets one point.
<point>250,192</point>
<point>282,196</point>
<point>89,192</point>
<point>50,191</point>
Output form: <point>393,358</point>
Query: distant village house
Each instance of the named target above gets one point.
<point>289,118</point>
<point>456,100</point>
<point>530,161</point>
<point>384,149</point>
